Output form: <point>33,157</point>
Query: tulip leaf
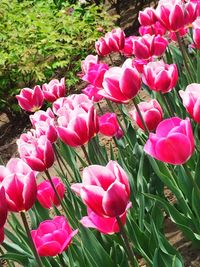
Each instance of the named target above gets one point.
<point>166,260</point>
<point>20,258</point>
<point>95,249</point>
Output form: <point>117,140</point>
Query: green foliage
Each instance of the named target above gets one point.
<point>39,42</point>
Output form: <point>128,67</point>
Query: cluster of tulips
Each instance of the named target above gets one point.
<point>121,194</point>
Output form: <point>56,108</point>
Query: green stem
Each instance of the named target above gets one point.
<point>128,248</point>
<point>189,175</point>
<point>37,257</point>
<point>170,113</point>
<point>99,150</point>
<point>62,262</point>
<point>184,55</point>
<point>86,154</point>
<point>99,106</point>
<point>58,160</point>
<point>140,115</point>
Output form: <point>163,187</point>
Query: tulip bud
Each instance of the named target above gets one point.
<point>109,126</point>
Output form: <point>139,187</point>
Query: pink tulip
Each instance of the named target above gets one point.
<point>149,45</point>
<point>112,42</point>
<point>152,114</point>
<point>160,77</point>
<point>54,89</point>
<point>88,62</point>
<point>105,190</point>
<point>140,63</point>
<point>191,100</point>
<point>62,105</point>
<point>1,235</point>
<point>3,172</point>
<point>77,126</point>
<point>182,32</point>
<point>46,195</point>
<point>52,237</point>
<point>105,225</point>
<point>147,17</point>
<point>93,93</point>
<point>109,126</point>
<point>154,29</point>
<point>95,74</point>
<point>128,46</point>
<point>36,152</point>
<point>101,47</point>
<point>171,134</point>
<point>121,84</point>
<point>20,191</point>
<point>174,14</point>
<point>196,33</point>
<point>3,207</point>
<point>44,124</point>
<point>31,99</point>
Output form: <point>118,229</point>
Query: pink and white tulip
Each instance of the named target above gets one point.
<point>54,89</point>
<point>109,126</point>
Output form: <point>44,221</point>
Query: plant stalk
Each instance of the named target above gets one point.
<point>140,115</point>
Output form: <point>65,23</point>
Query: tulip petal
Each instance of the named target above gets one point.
<point>51,249</point>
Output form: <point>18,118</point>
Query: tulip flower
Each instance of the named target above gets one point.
<point>95,74</point>
<point>140,63</point>
<point>44,124</point>
<point>128,46</point>
<point>93,93</point>
<point>36,152</point>
<point>174,14</point>
<point>109,126</point>
<point>3,207</point>
<point>1,235</point>
<point>3,172</point>
<point>52,237</point>
<point>88,62</point>
<point>154,29</point>
<point>196,33</point>
<point>103,224</point>
<point>147,46</point>
<point>151,112</point>
<point>46,195</point>
<point>121,84</point>
<point>31,99</point>
<point>171,134</point>
<point>62,105</point>
<point>191,100</point>
<point>105,189</point>
<point>20,191</point>
<point>147,17</point>
<point>112,42</point>
<point>54,89</point>
<point>160,77</point>
<point>77,126</point>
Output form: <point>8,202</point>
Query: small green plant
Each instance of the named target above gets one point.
<point>39,42</point>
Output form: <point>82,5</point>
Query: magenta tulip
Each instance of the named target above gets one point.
<point>88,62</point>
<point>20,191</point>
<point>182,32</point>
<point>105,190</point>
<point>191,100</point>
<point>52,237</point>
<point>3,207</point>
<point>93,93</point>
<point>54,89</point>
<point>152,114</point>
<point>109,126</point>
<point>171,134</point>
<point>1,235</point>
<point>154,29</point>
<point>95,74</point>
<point>102,47</point>
<point>160,77</point>
<point>147,17</point>
<point>174,14</point>
<point>46,195</point>
<point>44,124</point>
<point>121,84</point>
<point>105,225</point>
<point>147,46</point>
<point>196,33</point>
<point>31,99</point>
<point>128,46</point>
<point>36,152</point>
